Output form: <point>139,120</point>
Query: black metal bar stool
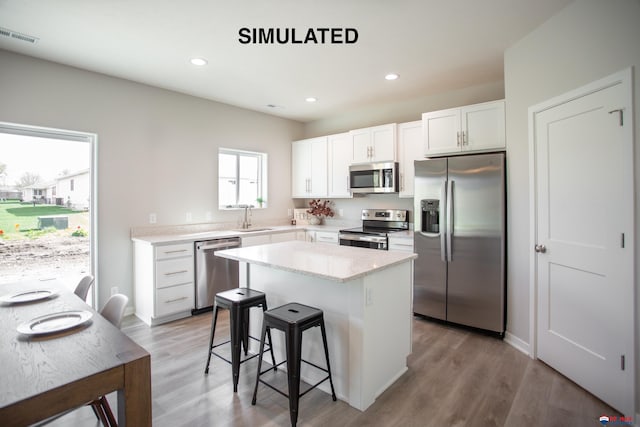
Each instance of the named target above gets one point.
<point>293,319</point>
<point>238,302</point>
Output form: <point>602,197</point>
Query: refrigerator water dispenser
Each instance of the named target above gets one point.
<point>430,220</point>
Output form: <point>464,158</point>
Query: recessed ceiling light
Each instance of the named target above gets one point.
<point>199,61</point>
<point>311,99</point>
<point>391,76</point>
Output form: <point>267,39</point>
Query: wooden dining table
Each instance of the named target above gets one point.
<point>45,375</point>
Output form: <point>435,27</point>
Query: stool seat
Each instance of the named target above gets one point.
<point>293,319</point>
<point>241,296</point>
<point>238,302</point>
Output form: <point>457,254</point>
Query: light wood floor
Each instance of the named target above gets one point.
<point>455,378</point>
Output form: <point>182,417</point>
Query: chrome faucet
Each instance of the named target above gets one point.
<point>247,210</point>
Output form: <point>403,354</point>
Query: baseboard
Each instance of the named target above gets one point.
<point>129,311</point>
<point>517,343</point>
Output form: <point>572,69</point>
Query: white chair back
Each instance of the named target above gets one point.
<point>113,310</point>
<point>82,289</point>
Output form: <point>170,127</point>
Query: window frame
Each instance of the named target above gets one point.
<point>261,174</point>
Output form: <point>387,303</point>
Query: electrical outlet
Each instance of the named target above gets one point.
<point>340,212</point>
<point>289,213</point>
<point>188,217</point>
<point>369,296</point>
<point>208,216</point>
<point>114,290</point>
<point>152,218</point>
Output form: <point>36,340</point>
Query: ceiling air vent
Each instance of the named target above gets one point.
<point>18,36</point>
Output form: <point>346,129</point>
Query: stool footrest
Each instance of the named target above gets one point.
<point>246,358</point>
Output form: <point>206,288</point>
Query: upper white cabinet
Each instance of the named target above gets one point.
<point>309,168</point>
<point>340,155</point>
<point>374,144</point>
<point>410,148</point>
<point>477,127</point>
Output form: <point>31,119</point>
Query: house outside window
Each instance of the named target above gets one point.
<point>241,178</point>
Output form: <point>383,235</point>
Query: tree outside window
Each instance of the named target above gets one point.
<point>241,178</point>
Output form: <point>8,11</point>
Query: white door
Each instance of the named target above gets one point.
<point>584,237</point>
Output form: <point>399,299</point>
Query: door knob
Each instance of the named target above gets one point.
<point>541,249</point>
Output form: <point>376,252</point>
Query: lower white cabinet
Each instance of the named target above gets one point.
<point>330,237</point>
<point>163,281</point>
<point>402,244</point>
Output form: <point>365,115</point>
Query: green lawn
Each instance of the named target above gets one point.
<point>26,216</point>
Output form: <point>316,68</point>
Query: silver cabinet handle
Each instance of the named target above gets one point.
<point>175,300</point>
<point>171,273</point>
<point>465,138</point>
<point>540,249</point>
<point>176,251</point>
<point>458,138</point>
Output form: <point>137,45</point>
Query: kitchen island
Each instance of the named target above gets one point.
<point>366,296</point>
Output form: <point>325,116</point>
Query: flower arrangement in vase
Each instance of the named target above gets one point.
<point>319,210</point>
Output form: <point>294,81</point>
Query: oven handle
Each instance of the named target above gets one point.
<point>361,238</point>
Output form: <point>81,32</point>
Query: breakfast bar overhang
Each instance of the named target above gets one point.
<point>366,296</point>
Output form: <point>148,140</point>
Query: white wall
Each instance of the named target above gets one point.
<point>586,41</point>
<point>157,149</point>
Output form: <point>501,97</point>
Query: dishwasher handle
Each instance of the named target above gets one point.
<point>223,245</point>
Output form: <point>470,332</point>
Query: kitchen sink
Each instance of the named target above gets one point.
<point>246,230</point>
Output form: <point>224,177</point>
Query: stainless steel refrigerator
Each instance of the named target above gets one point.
<point>460,238</point>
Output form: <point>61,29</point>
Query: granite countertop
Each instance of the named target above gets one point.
<point>337,263</point>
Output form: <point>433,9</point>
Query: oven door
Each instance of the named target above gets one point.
<point>363,241</point>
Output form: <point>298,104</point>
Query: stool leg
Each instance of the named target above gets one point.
<point>236,341</point>
<point>273,359</point>
<point>245,330</point>
<point>261,352</point>
<point>213,330</point>
<point>326,355</point>
<point>294,355</point>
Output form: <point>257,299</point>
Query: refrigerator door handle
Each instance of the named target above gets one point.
<point>449,221</point>
<point>443,225</point>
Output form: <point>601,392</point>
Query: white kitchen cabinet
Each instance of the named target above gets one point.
<point>340,157</point>
<point>163,281</point>
<point>410,148</point>
<point>262,239</point>
<point>402,244</point>
<point>316,236</point>
<point>478,127</point>
<point>374,144</point>
<point>309,168</point>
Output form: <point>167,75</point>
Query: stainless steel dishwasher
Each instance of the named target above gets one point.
<point>214,274</point>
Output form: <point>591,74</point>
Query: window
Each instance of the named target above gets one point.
<point>241,178</point>
<point>71,185</point>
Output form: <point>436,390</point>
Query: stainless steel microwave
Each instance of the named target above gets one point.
<point>374,177</point>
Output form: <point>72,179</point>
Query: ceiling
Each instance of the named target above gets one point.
<point>434,46</point>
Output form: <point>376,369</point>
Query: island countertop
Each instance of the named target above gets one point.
<point>337,263</point>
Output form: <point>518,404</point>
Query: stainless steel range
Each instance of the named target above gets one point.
<point>376,226</point>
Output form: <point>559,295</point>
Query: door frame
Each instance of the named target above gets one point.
<point>69,135</point>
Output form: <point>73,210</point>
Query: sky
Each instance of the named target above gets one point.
<point>45,157</point>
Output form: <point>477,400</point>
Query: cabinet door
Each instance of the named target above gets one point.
<point>361,143</point>
<point>441,131</point>
<point>318,165</point>
<point>483,126</point>
<point>340,155</point>
<point>410,148</point>
<point>300,168</point>
<point>383,141</point>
